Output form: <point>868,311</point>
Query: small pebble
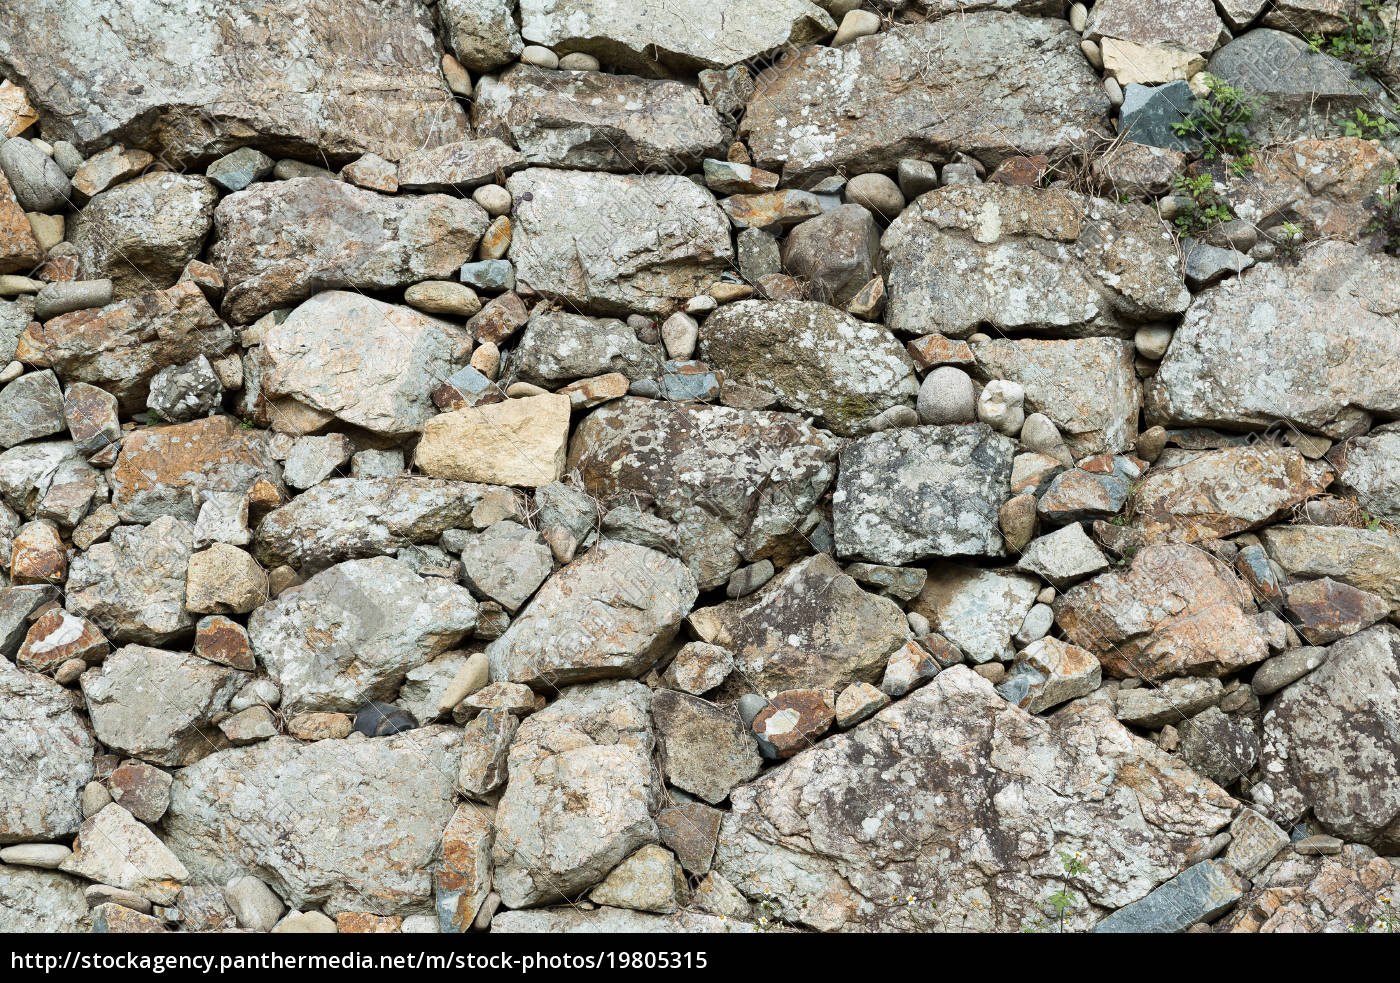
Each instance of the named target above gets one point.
<point>578,61</point>
<point>856,24</point>
<point>876,192</point>
<point>539,56</point>
<point>493,198</point>
<point>946,396</point>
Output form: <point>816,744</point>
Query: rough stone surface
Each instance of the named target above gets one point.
<point>705,749</point>
<point>978,611</point>
<point>133,585</point>
<point>45,760</point>
<point>518,442</point>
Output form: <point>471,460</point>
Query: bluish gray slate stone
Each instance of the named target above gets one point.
<point>1197,894</point>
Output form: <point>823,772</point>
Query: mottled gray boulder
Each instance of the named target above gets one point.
<point>1086,386</point>
<point>31,407</point>
<point>351,518</point>
<point>814,358</point>
<point>1299,91</point>
<point>325,76</point>
<point>1372,472</point>
<point>1028,260</point>
<point>615,243</point>
<point>580,794</point>
<point>367,363</point>
<point>979,611</point>
<point>737,483</point>
<point>1171,702</point>
<point>351,633</point>
<point>612,612</point>
<point>919,492</point>
<point>811,627</point>
<point>1331,745</point>
<point>141,234</point>
<point>506,563</point>
<point>133,585</point>
<point>334,235</point>
<point>606,920</point>
<point>705,749</point>
<point>481,33</point>
<point>827,835</point>
<point>158,705</point>
<point>456,168</point>
<point>45,760</point>
<point>42,901</point>
<point>594,121</point>
<point>119,347</point>
<point>49,479</point>
<point>185,392</point>
<point>836,253</point>
<point>1310,344</point>
<point>1368,559</point>
<point>33,177</point>
<point>992,85</point>
<point>1222,747</point>
<point>267,810</point>
<point>558,347</point>
<point>684,35</point>
<point>114,849</point>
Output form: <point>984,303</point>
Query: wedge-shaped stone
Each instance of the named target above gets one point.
<point>979,611</point>
<point>113,848</point>
<point>594,121</point>
<point>706,749</point>
<point>990,84</point>
<point>329,235</point>
<point>323,76</point>
<point>336,825</point>
<point>46,754</point>
<point>811,627</point>
<point>610,613</point>
<point>832,827</point>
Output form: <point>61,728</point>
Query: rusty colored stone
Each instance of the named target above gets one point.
<point>587,393</point>
<point>91,414</point>
<point>19,250</point>
<point>499,319</point>
<point>58,636</point>
<point>363,923</point>
<point>206,277</point>
<point>933,350</point>
<point>224,641</point>
<point>114,919</point>
<point>771,210</point>
<point>16,114</point>
<point>1026,171</point>
<point>108,168</point>
<point>795,719</point>
<point>59,267</point>
<point>691,830</point>
<point>141,789</point>
<point>463,876</point>
<point>1327,610</point>
<point>37,556</point>
<point>320,725</point>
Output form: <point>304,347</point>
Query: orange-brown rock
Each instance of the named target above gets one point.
<point>57,637</point>
<point>225,641</point>
<point>37,556</point>
<point>364,923</point>
<point>463,877</point>
<point>19,250</point>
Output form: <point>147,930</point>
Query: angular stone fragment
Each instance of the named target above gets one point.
<point>141,789</point>
<point>705,749</point>
<point>353,631</point>
<point>1368,559</point>
<point>1197,894</point>
<point>815,359</point>
<point>457,167</point>
<point>596,121</point>
<point>832,109</point>
<point>1298,893</point>
<point>1327,611</point>
<point>560,347</point>
<point>463,876</point>
<point>30,407</point>
<point>332,235</point>
<point>113,848</point>
<point>518,442</point>
<point>832,827</point>
<point>1048,672</point>
<point>737,483</point>
<point>158,705</point>
<point>328,77</point>
<point>42,901</point>
<point>19,250</point>
<point>699,667</point>
<point>612,612</point>
<point>1171,702</point>
<point>917,492</point>
<point>351,518</point>
<point>1174,611</point>
<point>580,795</point>
<point>91,416</point>
<point>1063,556</point>
<point>684,36</point>
<point>141,234</point>
<point>690,830</point>
<point>485,742</point>
<point>119,347</point>
<point>1190,24</point>
<point>1371,471</point>
<point>978,611</point>
<point>645,881</point>
<point>615,243</point>
<point>266,810</point>
<point>46,754</point>
<point>133,586</point>
<point>810,627</point>
<point>1220,493</point>
<point>57,637</point>
<point>793,721</point>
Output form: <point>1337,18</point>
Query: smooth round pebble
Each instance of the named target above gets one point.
<point>493,198</point>
<point>539,56</point>
<point>1113,90</point>
<point>946,396</point>
<point>1091,52</point>
<point>679,333</point>
<point>877,192</point>
<point>1078,17</point>
<point>856,24</point>
<point>1000,406</point>
<point>1152,341</point>
<point>578,61</point>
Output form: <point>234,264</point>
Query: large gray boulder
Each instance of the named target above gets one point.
<point>918,492</point>
<point>1332,743</point>
<point>1311,344</point>
<point>336,825</point>
<point>990,84</point>
<point>594,121</point>
<point>580,795</point>
<point>612,612</point>
<point>352,632</point>
<point>329,235</point>
<point>615,243</point>
<point>684,35</point>
<point>992,796</point>
<point>34,900</point>
<point>558,347</point>
<point>816,359</point>
<point>1371,471</point>
<point>811,627</point>
<point>46,754</point>
<point>193,79</point>
<point>1025,259</point>
<point>737,483</point>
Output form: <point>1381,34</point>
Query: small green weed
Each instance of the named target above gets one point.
<point>1204,207</point>
<point>1368,127</point>
<point>1365,42</point>
<point>1218,121</point>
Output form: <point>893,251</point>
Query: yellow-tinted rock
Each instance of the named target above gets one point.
<point>517,442</point>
